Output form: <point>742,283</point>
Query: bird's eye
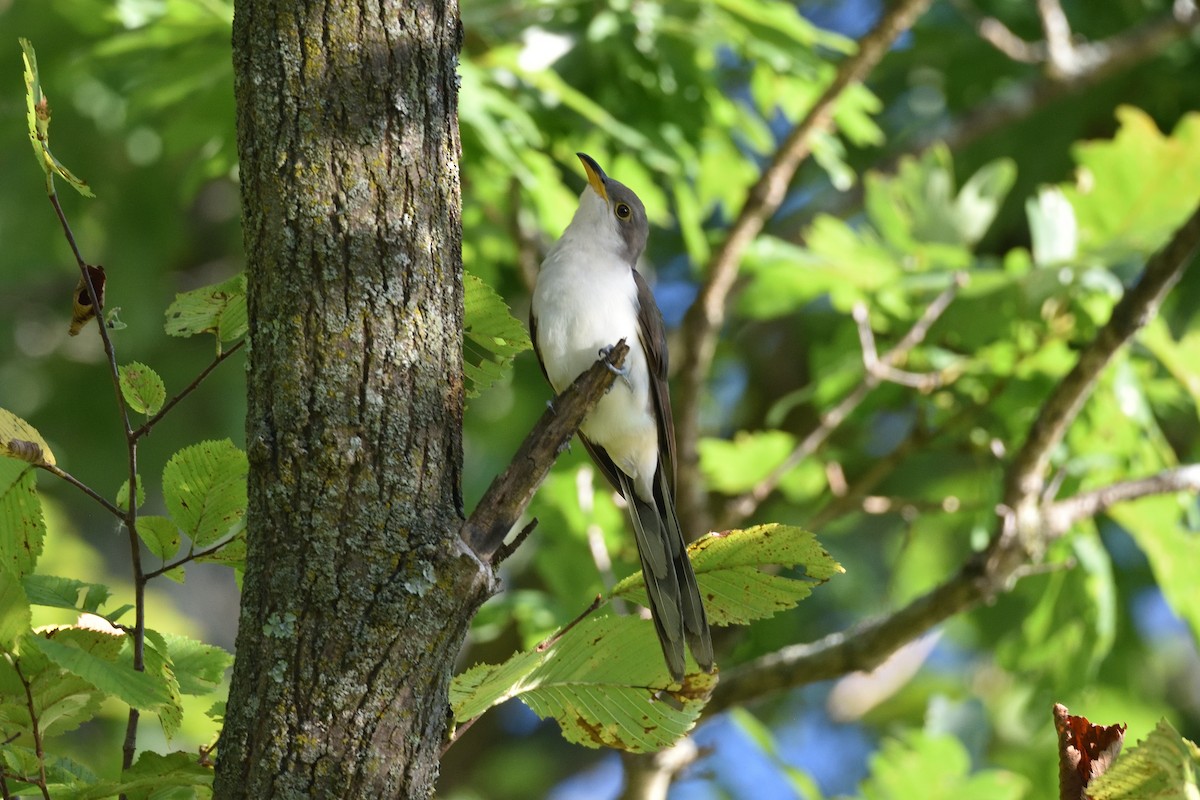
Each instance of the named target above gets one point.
<point>623,211</point>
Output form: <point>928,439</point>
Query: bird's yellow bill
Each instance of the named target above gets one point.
<point>595,175</point>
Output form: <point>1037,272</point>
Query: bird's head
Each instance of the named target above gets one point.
<point>611,213</point>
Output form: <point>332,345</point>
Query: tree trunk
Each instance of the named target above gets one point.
<point>357,592</point>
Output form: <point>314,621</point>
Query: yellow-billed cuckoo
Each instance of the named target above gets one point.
<point>589,296</point>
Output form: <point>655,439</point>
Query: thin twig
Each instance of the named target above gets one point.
<point>1007,557</point>
<point>35,727</point>
<point>129,748</point>
<point>508,548</point>
<point>191,387</point>
<point>1062,515</point>
<point>743,506</point>
<point>191,556</point>
<point>549,642</point>
<point>703,321</point>
<point>58,472</point>
<point>1061,61</point>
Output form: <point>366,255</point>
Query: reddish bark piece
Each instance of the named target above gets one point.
<point>1085,751</point>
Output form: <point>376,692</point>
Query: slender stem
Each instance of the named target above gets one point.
<point>130,514</point>
<point>191,387</point>
<point>191,556</point>
<point>83,487</point>
<point>37,730</point>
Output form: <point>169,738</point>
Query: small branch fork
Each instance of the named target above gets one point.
<point>878,370</point>
<point>1025,522</point>
<point>506,499</point>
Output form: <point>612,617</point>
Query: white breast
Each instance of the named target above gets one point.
<point>585,301</point>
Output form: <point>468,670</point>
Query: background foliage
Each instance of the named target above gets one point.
<point>1049,213</point>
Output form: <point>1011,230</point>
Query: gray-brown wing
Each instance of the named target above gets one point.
<point>653,335</point>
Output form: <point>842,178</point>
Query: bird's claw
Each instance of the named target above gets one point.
<point>620,372</point>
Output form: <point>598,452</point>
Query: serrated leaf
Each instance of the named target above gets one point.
<point>199,667</point>
<point>38,112</point>
<point>728,569</point>
<point>153,777</point>
<point>22,528</point>
<point>492,336</point>
<point>935,767</point>
<point>602,680</point>
<point>159,534</point>
<point>1165,766</point>
<point>15,614</point>
<point>204,487</point>
<point>122,499</point>
<point>138,689</point>
<point>158,664</point>
<point>57,592</point>
<point>61,699</point>
<point>20,440</point>
<point>232,553</point>
<point>142,388</point>
<point>219,309</point>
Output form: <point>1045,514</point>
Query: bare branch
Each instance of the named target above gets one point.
<point>1062,515</point>
<point>648,776</point>
<point>58,472</point>
<point>997,34</point>
<point>1060,52</point>
<point>1139,304</point>
<point>1018,523</point>
<point>191,387</point>
<point>511,491</point>
<point>877,369</point>
<point>706,315</point>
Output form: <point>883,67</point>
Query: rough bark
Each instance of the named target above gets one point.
<point>357,592</point>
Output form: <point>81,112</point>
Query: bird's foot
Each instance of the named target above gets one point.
<point>620,372</point>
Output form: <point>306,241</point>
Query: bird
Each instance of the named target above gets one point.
<point>587,297</point>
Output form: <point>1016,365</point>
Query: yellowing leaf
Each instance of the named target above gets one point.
<point>729,568</point>
<point>20,440</point>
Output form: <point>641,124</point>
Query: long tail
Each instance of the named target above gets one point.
<point>675,603</point>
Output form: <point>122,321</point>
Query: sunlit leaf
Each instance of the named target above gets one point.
<point>1165,766</point>
<point>142,388</point>
<point>20,440</point>
<point>729,568</point>
<point>204,487</point>
<point>219,309</point>
<point>604,682</point>
<point>491,336</point>
<point>22,528</point>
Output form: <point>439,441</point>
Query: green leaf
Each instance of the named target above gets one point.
<point>142,388</point>
<point>204,486</point>
<point>62,701</point>
<point>733,466</point>
<point>56,592</point>
<point>173,776</point>
<point>1157,525</point>
<point>141,690</point>
<point>935,767</point>
<point>219,309</point>
<point>729,571</point>
<point>123,494</point>
<point>158,665</point>
<point>20,440</point>
<point>491,336</point>
<point>38,114</point>
<point>1165,766</point>
<point>1052,227</point>
<point>15,614</point>
<point>199,667</point>
<point>159,534</point>
<point>1134,190</point>
<point>22,528</point>
<point>602,680</point>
